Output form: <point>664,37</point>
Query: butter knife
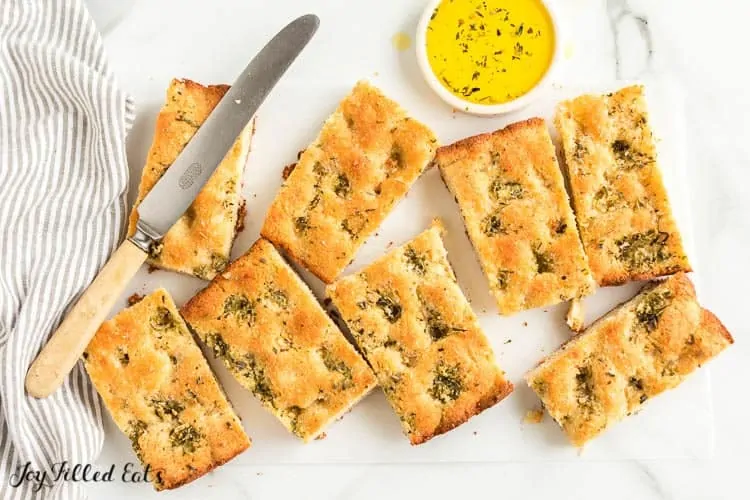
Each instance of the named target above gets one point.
<point>167,201</point>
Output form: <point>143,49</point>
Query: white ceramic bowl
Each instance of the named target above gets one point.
<point>484,109</point>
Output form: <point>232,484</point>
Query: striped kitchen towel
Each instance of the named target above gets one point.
<point>63,184</point>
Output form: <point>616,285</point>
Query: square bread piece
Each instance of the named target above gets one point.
<point>261,319</point>
<point>365,159</point>
<point>619,198</point>
<point>419,334</point>
<point>512,197</point>
<point>162,394</point>
<point>635,352</point>
<point>201,240</point>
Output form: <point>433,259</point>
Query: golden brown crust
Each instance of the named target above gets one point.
<point>260,318</point>
<point>637,351</point>
<point>161,392</point>
<point>365,159</point>
<point>419,334</point>
<point>622,207</point>
<point>201,240</point>
<point>513,201</point>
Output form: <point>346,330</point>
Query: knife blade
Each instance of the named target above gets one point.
<point>175,191</point>
<point>166,203</point>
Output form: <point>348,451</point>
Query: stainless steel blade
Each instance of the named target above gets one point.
<point>182,182</point>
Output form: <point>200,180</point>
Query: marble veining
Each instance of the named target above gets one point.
<point>613,38</point>
<point>620,15</point>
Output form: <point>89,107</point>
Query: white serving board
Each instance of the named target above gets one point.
<point>678,424</point>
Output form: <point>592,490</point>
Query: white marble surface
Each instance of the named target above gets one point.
<point>694,44</point>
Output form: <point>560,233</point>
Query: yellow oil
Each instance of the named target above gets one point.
<point>401,41</point>
<point>490,51</point>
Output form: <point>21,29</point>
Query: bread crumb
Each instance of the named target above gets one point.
<point>475,433</point>
<point>576,316</point>
<point>134,299</point>
<point>525,323</point>
<point>507,341</point>
<point>534,416</point>
<point>320,436</point>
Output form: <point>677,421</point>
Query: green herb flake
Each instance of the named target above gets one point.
<point>164,408</point>
<point>415,261</point>
<point>396,157</point>
<point>447,385</point>
<point>337,365</point>
<point>650,308</point>
<point>342,186</point>
<point>503,192</point>
<point>248,368</point>
<point>636,383</point>
<point>185,436</point>
<point>544,261</point>
<point>585,395</point>
<point>239,307</point>
<point>390,307</point>
<point>301,224</point>
<point>579,150</point>
<point>137,428</point>
<point>437,327</point>
<point>278,297</point>
<point>640,251</point>
<point>492,225</point>
<point>606,199</point>
<point>629,158</point>
<point>162,319</point>
<point>123,356</point>
<point>503,278</point>
<point>216,342</point>
<point>354,225</point>
<point>293,413</point>
<point>539,386</point>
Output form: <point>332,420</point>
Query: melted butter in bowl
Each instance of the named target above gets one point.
<point>487,56</point>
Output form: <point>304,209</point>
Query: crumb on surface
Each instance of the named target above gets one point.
<point>534,416</point>
<point>134,299</point>
<point>475,433</point>
<point>320,436</point>
<point>507,341</point>
<point>525,323</point>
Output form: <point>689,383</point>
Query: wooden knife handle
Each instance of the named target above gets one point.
<point>71,338</point>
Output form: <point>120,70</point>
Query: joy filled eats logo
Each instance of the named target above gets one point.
<point>79,473</point>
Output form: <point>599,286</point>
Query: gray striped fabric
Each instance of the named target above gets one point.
<point>63,182</point>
